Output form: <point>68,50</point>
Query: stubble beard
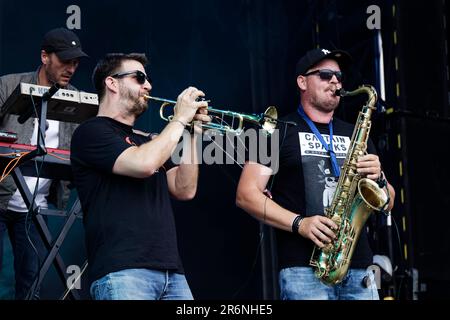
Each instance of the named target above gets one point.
<point>52,77</point>
<point>324,103</point>
<point>134,103</point>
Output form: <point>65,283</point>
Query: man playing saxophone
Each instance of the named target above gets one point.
<point>311,157</point>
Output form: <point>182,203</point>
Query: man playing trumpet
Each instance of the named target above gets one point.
<point>124,180</point>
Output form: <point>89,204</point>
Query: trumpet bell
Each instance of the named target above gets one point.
<point>269,122</point>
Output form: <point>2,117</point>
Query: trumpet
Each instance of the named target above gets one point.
<point>267,120</point>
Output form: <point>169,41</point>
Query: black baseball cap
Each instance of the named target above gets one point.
<point>64,43</point>
<point>314,56</point>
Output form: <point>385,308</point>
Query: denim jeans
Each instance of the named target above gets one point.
<point>26,259</point>
<point>300,283</point>
<point>141,284</point>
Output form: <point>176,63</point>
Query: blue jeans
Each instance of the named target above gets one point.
<point>141,284</point>
<point>26,259</point>
<point>300,283</point>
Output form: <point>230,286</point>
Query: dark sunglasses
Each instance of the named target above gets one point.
<point>327,74</point>
<point>139,75</point>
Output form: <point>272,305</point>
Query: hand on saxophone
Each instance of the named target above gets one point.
<point>187,105</point>
<point>369,166</point>
<point>319,229</point>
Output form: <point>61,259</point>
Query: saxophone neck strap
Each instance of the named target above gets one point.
<point>327,147</point>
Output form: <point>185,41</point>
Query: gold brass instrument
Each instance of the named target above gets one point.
<point>354,200</point>
<point>267,120</point>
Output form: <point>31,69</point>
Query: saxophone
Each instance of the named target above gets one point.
<point>354,200</point>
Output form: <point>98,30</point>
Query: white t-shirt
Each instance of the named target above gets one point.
<point>51,140</point>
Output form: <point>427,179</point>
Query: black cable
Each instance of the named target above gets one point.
<point>28,221</point>
<point>281,145</point>
<point>399,241</point>
<point>261,233</point>
<point>252,269</point>
<point>37,117</point>
<point>402,257</point>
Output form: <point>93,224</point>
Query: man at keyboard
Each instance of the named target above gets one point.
<point>60,55</point>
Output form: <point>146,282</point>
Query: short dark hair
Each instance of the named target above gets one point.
<point>110,65</point>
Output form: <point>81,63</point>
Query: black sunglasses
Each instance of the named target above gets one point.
<point>327,74</point>
<point>139,75</point>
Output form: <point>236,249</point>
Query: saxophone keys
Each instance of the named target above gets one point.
<point>328,248</point>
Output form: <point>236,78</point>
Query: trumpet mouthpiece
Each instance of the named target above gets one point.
<point>146,97</point>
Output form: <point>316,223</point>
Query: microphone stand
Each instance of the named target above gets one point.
<point>39,151</point>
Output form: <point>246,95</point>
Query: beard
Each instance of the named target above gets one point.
<point>324,102</point>
<point>53,76</point>
<point>133,101</point>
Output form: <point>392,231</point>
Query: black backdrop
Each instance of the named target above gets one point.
<point>242,53</point>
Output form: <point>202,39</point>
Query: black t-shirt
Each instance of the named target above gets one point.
<point>129,222</point>
<point>305,184</point>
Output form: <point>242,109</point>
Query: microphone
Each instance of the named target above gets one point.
<point>337,93</point>
<point>53,89</point>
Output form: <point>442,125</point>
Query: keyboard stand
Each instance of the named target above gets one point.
<point>53,247</point>
<point>37,218</point>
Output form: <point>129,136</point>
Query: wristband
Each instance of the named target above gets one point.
<point>296,223</point>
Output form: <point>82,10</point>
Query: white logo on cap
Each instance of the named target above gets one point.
<point>74,43</point>
<point>325,51</point>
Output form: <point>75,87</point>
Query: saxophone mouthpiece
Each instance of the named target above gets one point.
<point>341,92</point>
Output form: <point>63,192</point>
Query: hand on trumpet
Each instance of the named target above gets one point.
<point>200,118</point>
<point>190,108</point>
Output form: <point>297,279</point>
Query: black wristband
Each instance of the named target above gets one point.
<point>296,223</point>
